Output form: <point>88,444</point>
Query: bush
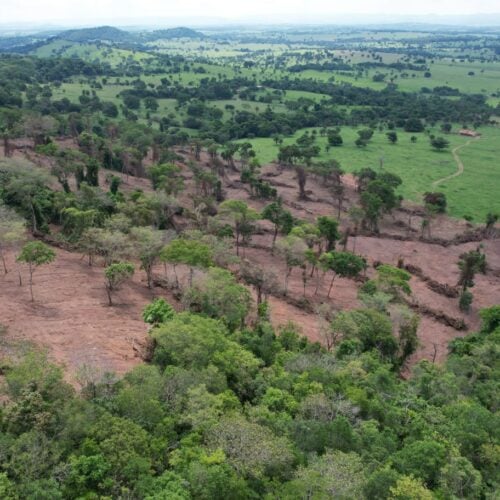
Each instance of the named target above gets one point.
<point>159,311</point>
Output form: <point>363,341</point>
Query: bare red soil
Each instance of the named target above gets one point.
<point>71,315</point>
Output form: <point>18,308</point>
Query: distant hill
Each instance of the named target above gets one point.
<point>171,33</point>
<point>107,34</point>
<point>101,33</point>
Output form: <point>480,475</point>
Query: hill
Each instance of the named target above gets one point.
<point>101,33</point>
<point>172,33</point>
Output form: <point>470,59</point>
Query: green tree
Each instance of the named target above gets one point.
<point>343,264</point>
<point>329,230</point>
<point>409,488</point>
<point>167,176</point>
<point>281,218</point>
<point>194,254</point>
<point>148,244</point>
<point>333,475</point>
<point>440,143</point>
<point>159,311</point>
<point>334,139</point>
<point>251,448</point>
<point>470,264</point>
<point>35,254</point>
<point>9,127</point>
<point>293,250</point>
<point>392,137</point>
<point>218,295</point>
<point>12,230</point>
<point>241,217</point>
<point>117,274</point>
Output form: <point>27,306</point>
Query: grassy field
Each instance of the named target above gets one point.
<point>419,166</point>
<point>89,52</point>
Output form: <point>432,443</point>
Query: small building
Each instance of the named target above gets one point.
<point>469,133</point>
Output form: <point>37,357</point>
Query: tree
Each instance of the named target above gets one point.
<point>147,244</point>
<point>39,128</point>
<point>365,135</point>
<point>440,143</point>
<point>446,127</point>
<point>469,264</point>
<point>35,254</point>
<point>12,230</point>
<point>158,312</point>
<point>329,230</point>
<point>293,250</point>
<point>218,295</point>
<point>436,201</point>
<point>228,153</point>
<point>241,216</point>
<point>409,488</point>
<point>333,475</point>
<point>280,217</point>
<point>299,157</point>
<point>251,448</point>
<point>117,274</point>
<point>372,206</point>
<point>491,220</point>
<point>26,187</point>
<point>110,244</point>
<point>343,264</point>
<point>189,252</point>
<point>392,136</point>
<point>422,459</point>
<point>264,281</point>
<point>334,139</point>
<point>166,176</point>
<point>9,121</point>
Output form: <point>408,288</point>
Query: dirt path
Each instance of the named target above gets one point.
<point>460,165</point>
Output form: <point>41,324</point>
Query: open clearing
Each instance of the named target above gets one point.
<point>71,316</point>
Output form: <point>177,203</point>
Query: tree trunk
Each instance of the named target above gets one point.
<point>275,235</point>
<point>5,270</point>
<point>6,147</point>
<point>33,218</point>
<point>31,282</point>
<point>108,291</point>
<point>318,281</point>
<point>287,276</point>
<point>302,179</point>
<point>331,285</point>
<point>259,295</point>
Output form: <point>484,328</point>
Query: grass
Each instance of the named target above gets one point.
<point>419,166</point>
<point>89,52</point>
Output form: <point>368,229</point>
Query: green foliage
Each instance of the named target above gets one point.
<point>328,229</point>
<point>190,252</point>
<point>117,274</point>
<point>159,311</point>
<point>465,301</point>
<point>440,143</point>
<point>218,295</point>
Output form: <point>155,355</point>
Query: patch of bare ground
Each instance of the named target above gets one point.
<point>71,315</point>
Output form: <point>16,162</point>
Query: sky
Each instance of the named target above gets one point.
<point>119,12</point>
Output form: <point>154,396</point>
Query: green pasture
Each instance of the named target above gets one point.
<point>419,165</point>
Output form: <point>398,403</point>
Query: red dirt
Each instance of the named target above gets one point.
<point>71,315</point>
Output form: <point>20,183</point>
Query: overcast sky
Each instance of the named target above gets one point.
<point>136,11</point>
